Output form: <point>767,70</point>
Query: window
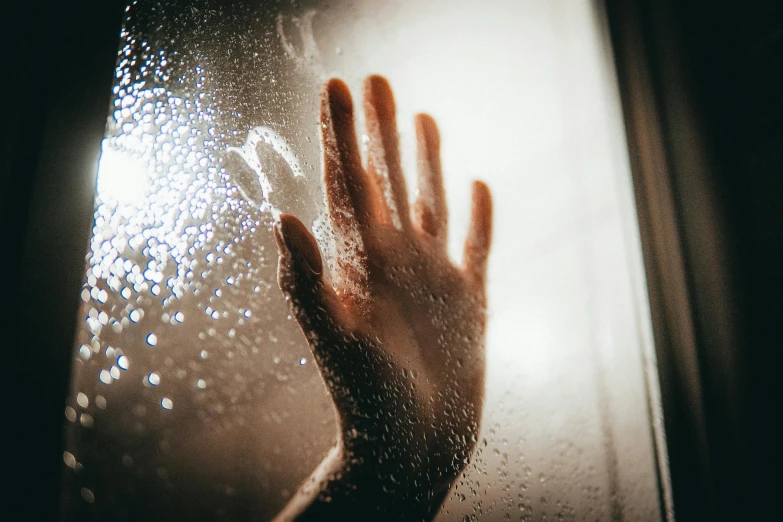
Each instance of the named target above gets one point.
<point>194,393</point>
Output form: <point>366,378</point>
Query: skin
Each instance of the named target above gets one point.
<point>398,333</point>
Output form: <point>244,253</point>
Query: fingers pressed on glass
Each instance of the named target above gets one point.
<point>384,151</point>
<point>430,208</point>
<point>479,236</point>
<point>319,311</point>
<point>314,303</point>
<point>350,193</point>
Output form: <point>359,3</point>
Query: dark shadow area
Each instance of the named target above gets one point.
<point>55,93</point>
<point>701,93</point>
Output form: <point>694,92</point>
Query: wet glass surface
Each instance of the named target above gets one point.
<point>194,393</point>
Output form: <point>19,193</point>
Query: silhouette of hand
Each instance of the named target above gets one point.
<point>398,335</point>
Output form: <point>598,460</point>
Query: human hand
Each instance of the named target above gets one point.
<point>398,335</point>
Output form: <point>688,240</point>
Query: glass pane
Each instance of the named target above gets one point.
<point>195,395</point>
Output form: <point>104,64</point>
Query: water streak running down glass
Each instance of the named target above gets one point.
<point>193,392</point>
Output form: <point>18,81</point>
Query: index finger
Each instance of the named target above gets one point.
<point>349,192</point>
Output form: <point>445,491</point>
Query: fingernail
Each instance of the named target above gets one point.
<point>427,130</point>
<point>379,91</point>
<point>299,246</point>
<point>338,97</point>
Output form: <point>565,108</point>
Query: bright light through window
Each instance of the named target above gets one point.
<point>122,177</point>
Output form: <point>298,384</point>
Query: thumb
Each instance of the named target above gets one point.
<point>314,303</point>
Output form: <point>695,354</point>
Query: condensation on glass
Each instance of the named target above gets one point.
<point>194,396</point>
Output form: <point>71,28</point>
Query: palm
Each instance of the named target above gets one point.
<point>425,313</point>
<point>398,332</point>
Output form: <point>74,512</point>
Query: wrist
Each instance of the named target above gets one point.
<point>400,473</point>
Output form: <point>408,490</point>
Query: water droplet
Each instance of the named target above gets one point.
<point>88,495</point>
<point>105,377</point>
<point>82,400</point>
<point>201,383</point>
<point>153,379</point>
<point>122,362</point>
<point>302,361</point>
<point>134,316</point>
<point>152,339</point>
<point>69,459</point>
<point>166,403</point>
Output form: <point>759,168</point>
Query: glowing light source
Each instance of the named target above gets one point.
<point>122,177</point>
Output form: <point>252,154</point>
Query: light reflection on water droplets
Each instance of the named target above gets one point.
<point>158,145</point>
<point>86,420</point>
<point>155,253</point>
<point>153,379</point>
<point>105,377</point>
<point>88,495</point>
<point>69,459</point>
